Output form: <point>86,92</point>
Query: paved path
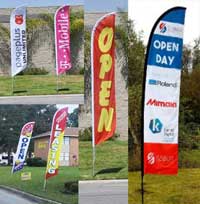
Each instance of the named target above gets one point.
<point>7,197</point>
<point>103,192</point>
<point>48,99</point>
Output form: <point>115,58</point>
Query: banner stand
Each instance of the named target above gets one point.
<point>13,78</point>
<point>45,185</point>
<point>57,90</point>
<point>93,161</point>
<point>58,80</point>
<point>160,31</point>
<point>13,87</point>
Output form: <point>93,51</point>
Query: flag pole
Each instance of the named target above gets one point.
<point>45,184</point>
<point>93,134</point>
<point>57,83</point>
<point>13,85</point>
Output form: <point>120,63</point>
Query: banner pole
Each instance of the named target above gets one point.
<point>57,84</point>
<point>13,85</point>
<point>45,183</point>
<point>93,162</point>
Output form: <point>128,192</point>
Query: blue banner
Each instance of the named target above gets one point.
<point>162,91</point>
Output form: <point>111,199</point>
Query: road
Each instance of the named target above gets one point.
<point>7,197</point>
<point>103,192</point>
<point>48,99</point>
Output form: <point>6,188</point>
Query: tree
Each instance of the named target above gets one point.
<point>136,55</point>
<point>196,53</point>
<point>73,118</point>
<point>12,119</point>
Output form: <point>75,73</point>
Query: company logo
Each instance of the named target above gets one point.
<point>163,27</point>
<point>169,135</point>
<point>27,131</point>
<point>151,158</point>
<point>19,19</point>
<point>162,83</point>
<point>167,104</point>
<point>155,126</point>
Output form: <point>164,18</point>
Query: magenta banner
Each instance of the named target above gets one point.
<point>62,40</point>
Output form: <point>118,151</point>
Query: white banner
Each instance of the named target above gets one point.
<point>22,148</point>
<point>18,40</point>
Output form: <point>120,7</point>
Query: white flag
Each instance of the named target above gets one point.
<point>18,40</point>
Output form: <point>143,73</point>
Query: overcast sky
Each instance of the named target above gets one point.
<point>146,12</point>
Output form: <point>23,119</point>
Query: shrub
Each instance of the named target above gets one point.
<point>86,135</point>
<point>71,187</point>
<point>37,161</point>
<point>82,71</point>
<point>34,71</point>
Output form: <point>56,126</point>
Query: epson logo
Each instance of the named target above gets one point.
<point>167,104</point>
<point>162,83</point>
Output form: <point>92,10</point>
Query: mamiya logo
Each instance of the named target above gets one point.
<point>162,83</point>
<point>167,104</point>
<point>151,158</point>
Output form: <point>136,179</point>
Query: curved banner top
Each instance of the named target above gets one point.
<point>62,39</point>
<point>162,89</point>
<point>18,40</point>
<point>22,148</point>
<point>103,78</point>
<point>56,141</point>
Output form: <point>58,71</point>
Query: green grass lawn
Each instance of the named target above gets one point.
<point>181,189</point>
<point>55,185</point>
<point>41,85</point>
<point>111,157</point>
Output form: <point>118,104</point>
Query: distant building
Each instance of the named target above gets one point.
<point>69,152</point>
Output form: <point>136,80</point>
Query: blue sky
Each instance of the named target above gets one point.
<point>38,3</point>
<point>90,5</point>
<point>106,5</point>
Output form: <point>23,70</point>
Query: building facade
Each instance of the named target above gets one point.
<point>69,153</point>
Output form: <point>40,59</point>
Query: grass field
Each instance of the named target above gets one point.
<point>41,85</point>
<point>181,189</point>
<point>111,160</point>
<point>55,185</point>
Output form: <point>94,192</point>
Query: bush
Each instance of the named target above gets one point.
<point>34,71</point>
<point>37,161</point>
<point>82,71</point>
<point>86,135</point>
<point>71,187</point>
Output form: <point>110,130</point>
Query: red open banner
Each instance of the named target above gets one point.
<point>103,78</point>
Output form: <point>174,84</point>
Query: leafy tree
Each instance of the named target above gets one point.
<point>136,55</point>
<point>73,118</point>
<point>196,53</point>
<point>13,117</point>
